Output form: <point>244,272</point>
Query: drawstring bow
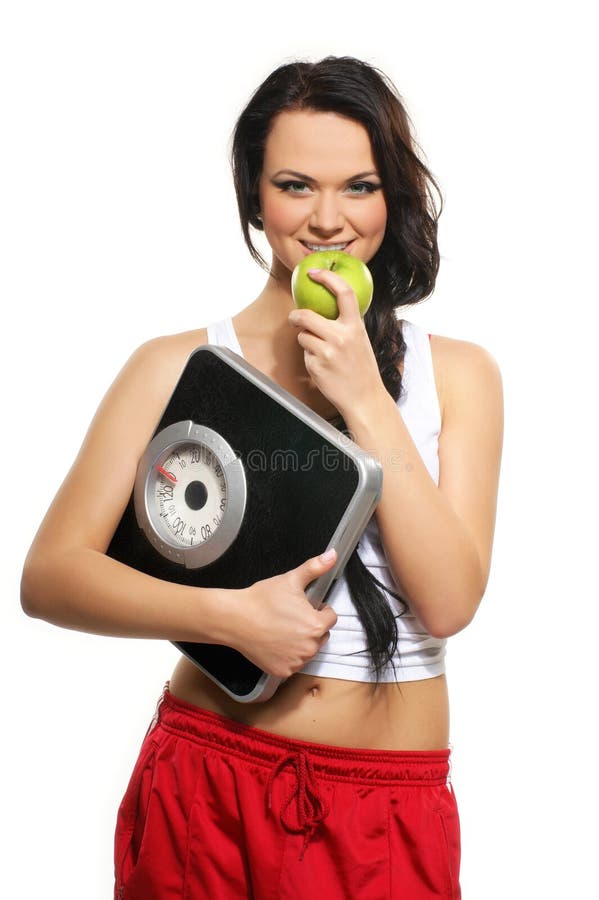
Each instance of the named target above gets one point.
<point>312,809</point>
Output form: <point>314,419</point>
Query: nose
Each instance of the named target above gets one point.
<point>327,214</point>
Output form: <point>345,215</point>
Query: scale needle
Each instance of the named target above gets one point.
<point>166,474</point>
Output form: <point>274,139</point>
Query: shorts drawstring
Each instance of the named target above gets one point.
<point>312,809</point>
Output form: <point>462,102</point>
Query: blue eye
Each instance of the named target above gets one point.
<point>363,187</point>
<point>292,187</point>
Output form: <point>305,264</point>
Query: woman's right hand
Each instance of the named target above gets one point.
<point>276,627</point>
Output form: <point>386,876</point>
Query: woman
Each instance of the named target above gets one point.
<point>338,785</point>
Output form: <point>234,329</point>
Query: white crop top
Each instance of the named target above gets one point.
<point>419,655</point>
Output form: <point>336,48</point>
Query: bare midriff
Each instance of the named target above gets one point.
<point>410,715</point>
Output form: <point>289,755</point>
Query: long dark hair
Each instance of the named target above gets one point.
<point>405,267</point>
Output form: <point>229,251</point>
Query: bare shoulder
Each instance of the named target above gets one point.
<point>143,386</point>
<point>163,357</point>
<point>471,439</point>
<point>464,372</point>
<point>106,464</point>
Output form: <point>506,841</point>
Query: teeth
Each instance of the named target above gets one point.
<point>316,247</point>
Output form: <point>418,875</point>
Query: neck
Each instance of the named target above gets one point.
<point>270,310</point>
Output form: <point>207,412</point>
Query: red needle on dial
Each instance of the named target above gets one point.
<point>166,474</point>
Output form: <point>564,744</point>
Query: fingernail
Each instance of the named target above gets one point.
<point>314,271</point>
<point>328,556</point>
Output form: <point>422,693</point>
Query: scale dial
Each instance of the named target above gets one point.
<point>190,494</point>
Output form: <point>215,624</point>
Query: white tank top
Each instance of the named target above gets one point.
<point>419,655</point>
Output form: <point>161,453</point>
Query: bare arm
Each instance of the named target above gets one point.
<point>67,579</point>
<point>438,540</point>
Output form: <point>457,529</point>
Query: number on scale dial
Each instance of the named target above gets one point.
<point>190,494</point>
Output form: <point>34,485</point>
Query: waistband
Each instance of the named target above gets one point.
<point>398,767</point>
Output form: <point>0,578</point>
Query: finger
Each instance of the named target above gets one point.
<point>347,301</point>
<point>314,344</point>
<point>328,617</point>
<point>309,320</point>
<point>315,567</point>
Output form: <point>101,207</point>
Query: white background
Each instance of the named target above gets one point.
<point>118,223</point>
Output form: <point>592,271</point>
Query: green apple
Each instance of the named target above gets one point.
<point>309,294</point>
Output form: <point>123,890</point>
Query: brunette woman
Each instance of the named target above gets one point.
<point>337,787</point>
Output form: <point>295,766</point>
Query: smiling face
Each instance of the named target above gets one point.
<point>320,188</point>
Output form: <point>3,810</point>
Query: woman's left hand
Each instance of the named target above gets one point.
<point>337,352</point>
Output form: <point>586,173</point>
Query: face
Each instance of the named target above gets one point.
<point>320,189</point>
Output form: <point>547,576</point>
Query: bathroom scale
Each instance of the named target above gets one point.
<point>240,482</point>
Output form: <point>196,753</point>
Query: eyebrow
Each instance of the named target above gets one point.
<point>312,180</point>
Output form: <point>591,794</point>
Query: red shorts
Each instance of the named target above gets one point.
<point>216,810</point>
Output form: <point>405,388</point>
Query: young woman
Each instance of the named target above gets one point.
<point>338,786</point>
